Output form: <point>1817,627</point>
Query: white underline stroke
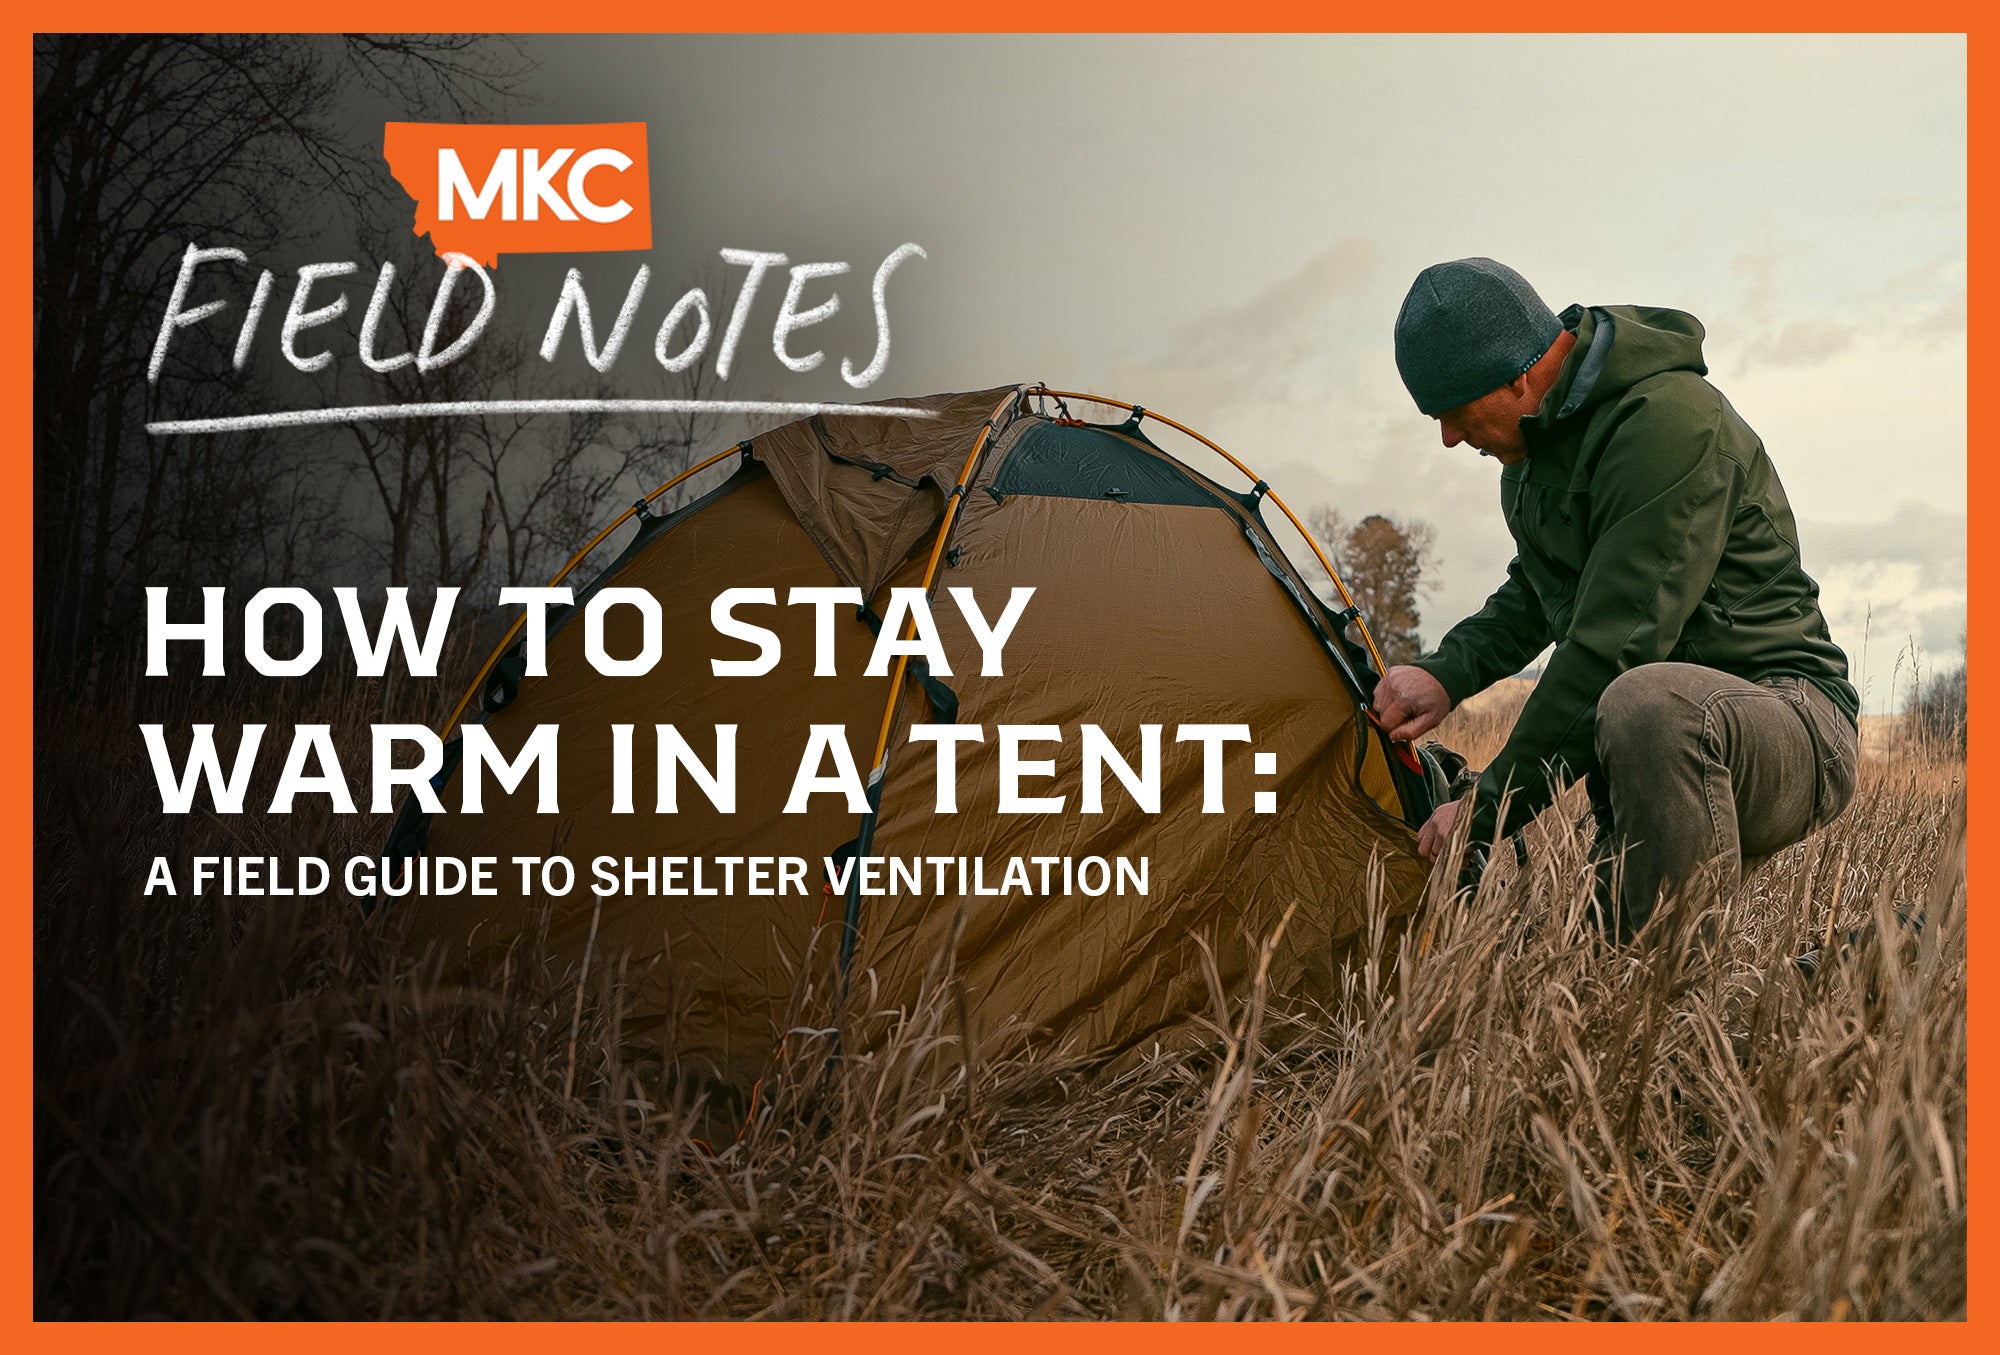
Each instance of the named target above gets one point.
<point>305,418</point>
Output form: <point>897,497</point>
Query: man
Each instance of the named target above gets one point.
<point>1693,685</point>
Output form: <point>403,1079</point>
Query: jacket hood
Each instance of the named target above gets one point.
<point>1616,348</point>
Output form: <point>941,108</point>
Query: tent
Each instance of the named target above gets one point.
<point>1160,597</point>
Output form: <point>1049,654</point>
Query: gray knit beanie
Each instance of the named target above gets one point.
<point>1468,327</point>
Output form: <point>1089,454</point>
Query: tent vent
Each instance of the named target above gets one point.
<point>503,684</point>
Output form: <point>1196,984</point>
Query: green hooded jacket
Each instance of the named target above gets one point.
<point>1648,525</point>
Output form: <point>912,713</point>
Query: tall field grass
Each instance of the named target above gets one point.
<point>267,1108</point>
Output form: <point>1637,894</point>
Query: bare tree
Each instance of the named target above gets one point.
<point>1329,528</point>
<point>456,500</point>
<point>555,479</point>
<point>1388,569</point>
<point>1937,703</point>
<point>144,143</point>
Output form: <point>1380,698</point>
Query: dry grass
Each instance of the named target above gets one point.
<point>1478,727</point>
<point>265,1109</point>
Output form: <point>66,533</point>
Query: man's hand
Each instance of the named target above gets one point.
<point>1436,832</point>
<point>1410,702</point>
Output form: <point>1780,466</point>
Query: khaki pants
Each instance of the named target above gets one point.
<point>1698,768</point>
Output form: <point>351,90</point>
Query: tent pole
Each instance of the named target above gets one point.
<point>878,769</point>
<point>514,629</point>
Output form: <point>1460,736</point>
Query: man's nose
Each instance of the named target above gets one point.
<point>1452,437</point>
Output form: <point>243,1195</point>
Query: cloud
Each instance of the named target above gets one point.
<point>1923,304</point>
<point>1760,267</point>
<point>1894,593</point>
<point>1943,322</point>
<point>1290,313</point>
<point>1801,343</point>
<point>1929,538</point>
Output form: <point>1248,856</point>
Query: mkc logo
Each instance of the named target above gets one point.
<point>485,191</point>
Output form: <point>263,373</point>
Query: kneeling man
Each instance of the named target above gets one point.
<point>1693,685</point>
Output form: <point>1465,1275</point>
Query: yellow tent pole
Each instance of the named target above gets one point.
<point>957,496</point>
<point>878,769</point>
<point>1271,494</point>
<point>513,630</point>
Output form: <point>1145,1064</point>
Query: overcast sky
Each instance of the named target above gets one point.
<point>1222,228</point>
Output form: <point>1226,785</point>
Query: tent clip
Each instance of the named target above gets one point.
<point>1257,493</point>
<point>1346,615</point>
<point>1131,425</point>
<point>642,509</point>
<point>1043,395</point>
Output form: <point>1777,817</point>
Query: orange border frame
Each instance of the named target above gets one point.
<point>16,679</point>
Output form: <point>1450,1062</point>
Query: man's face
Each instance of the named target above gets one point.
<point>1492,423</point>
